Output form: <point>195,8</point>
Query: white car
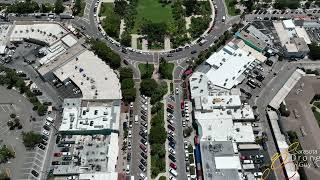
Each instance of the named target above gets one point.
<point>171,133</point>
<point>170,121</point>
<point>131,105</point>
<point>47,123</point>
<point>143,176</point>
<point>45,132</point>
<point>144,107</point>
<point>187,119</point>
<point>183,124</point>
<point>172,151</point>
<point>186,144</point>
<point>129,144</point>
<point>68,82</point>
<point>177,91</point>
<point>129,134</point>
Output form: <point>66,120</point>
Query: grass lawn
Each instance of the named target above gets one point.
<point>231,8</point>
<point>106,9</point>
<point>166,69</point>
<point>83,6</point>
<point>152,10</point>
<point>317,116</point>
<point>146,70</point>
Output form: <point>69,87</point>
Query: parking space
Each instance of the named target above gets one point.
<point>138,163</point>
<point>25,161</point>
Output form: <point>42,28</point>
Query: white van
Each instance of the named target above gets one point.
<point>128,169</point>
<point>66,154</point>
<point>50,119</point>
<point>257,174</point>
<point>136,119</point>
<point>247,161</point>
<point>173,172</point>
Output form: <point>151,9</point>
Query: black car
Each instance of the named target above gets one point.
<point>142,168</point>
<point>172,144</point>
<point>194,51</point>
<point>144,142</point>
<point>65,149</point>
<point>143,117</point>
<point>34,173</point>
<point>143,112</point>
<point>58,139</point>
<point>129,156</point>
<point>260,78</point>
<point>171,139</point>
<point>172,158</point>
<point>45,138</point>
<point>143,155</point>
<point>183,113</point>
<point>67,158</point>
<point>44,142</point>
<point>46,127</point>
<point>65,163</point>
<point>170,55</point>
<point>55,163</point>
<point>124,50</point>
<point>170,110</point>
<point>144,162</point>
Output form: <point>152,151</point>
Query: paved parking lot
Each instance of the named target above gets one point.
<point>13,102</point>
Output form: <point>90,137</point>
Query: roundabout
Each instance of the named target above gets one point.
<point>91,27</point>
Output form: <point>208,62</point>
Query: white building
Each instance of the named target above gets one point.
<point>293,39</point>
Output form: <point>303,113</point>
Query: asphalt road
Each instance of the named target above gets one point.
<point>218,29</point>
<point>180,154</point>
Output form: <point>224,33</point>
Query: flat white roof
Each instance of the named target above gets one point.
<point>69,40</point>
<point>93,76</point>
<point>227,162</point>
<point>198,87</point>
<point>282,33</point>
<point>227,65</point>
<point>284,91</point>
<point>218,126</point>
<point>45,32</point>
<point>2,49</point>
<point>291,47</point>
<point>98,176</point>
<point>90,118</point>
<point>254,53</point>
<point>302,33</point>
<point>113,152</point>
<point>288,24</point>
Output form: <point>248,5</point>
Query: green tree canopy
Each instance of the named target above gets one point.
<point>125,73</point>
<point>148,86</point>
<point>58,6</point>
<point>31,139</point>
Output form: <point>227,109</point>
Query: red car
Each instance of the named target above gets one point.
<point>144,149</point>
<point>58,154</point>
<point>182,105</point>
<point>173,166</point>
<point>170,106</point>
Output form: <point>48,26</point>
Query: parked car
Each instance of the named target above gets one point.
<point>170,106</point>
<point>34,173</point>
<point>172,158</point>
<point>144,162</point>
<point>172,144</point>
<point>143,148</point>
<point>173,166</point>
<point>171,127</point>
<point>55,163</point>
<point>142,168</point>
<point>41,146</point>
<point>143,155</point>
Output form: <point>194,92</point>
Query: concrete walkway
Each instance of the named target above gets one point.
<point>167,43</point>
<point>134,40</point>
<point>144,44</point>
<point>122,27</point>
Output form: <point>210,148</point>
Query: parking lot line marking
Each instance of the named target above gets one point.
<point>3,109</point>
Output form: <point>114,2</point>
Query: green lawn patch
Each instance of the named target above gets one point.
<point>146,70</point>
<point>317,116</point>
<point>166,69</point>
<point>111,22</point>
<point>107,9</point>
<point>152,10</point>
<point>231,7</point>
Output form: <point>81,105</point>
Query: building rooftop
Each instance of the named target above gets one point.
<point>282,33</point>
<point>228,64</point>
<point>69,40</point>
<point>98,176</point>
<point>223,101</point>
<point>258,34</point>
<point>94,83</point>
<point>90,117</point>
<point>301,32</point>
<point>284,91</point>
<point>301,44</point>
<point>288,24</point>
<point>47,33</point>
<point>92,154</point>
<point>254,53</point>
<point>218,125</point>
<point>213,153</point>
